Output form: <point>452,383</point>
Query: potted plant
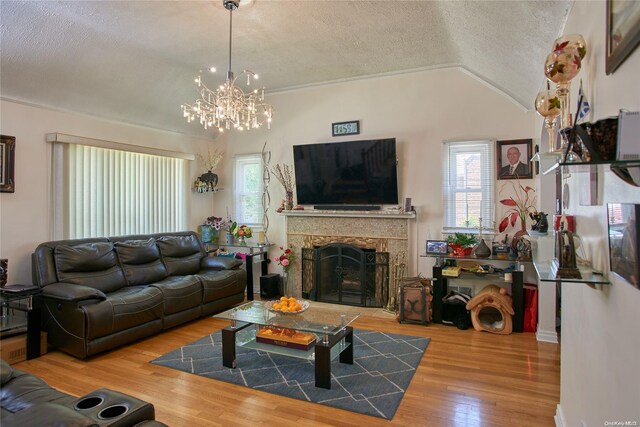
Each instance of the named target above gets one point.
<point>462,243</point>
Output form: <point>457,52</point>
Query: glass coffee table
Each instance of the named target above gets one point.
<point>331,330</point>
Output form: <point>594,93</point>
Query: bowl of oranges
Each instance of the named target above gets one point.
<point>287,305</point>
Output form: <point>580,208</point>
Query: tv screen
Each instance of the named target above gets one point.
<point>347,173</point>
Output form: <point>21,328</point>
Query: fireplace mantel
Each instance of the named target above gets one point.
<point>352,214</point>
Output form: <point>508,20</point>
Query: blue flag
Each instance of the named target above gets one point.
<point>583,105</point>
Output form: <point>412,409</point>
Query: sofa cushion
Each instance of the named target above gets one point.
<point>181,254</point>
<point>140,261</point>
<point>89,264</point>
<point>222,284</point>
<point>125,308</point>
<point>180,293</point>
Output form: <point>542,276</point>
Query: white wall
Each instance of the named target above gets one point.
<point>419,109</point>
<point>600,342</point>
<point>24,215</point>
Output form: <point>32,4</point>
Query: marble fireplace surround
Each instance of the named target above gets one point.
<point>384,231</point>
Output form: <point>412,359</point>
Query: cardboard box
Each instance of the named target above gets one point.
<point>14,349</point>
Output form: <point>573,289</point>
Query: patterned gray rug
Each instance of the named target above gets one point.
<point>374,385</point>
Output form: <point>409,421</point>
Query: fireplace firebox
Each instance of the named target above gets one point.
<point>340,273</point>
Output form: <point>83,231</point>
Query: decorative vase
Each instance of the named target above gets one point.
<point>548,106</point>
<point>229,239</point>
<point>482,250</point>
<point>289,201</point>
<point>207,233</point>
<point>285,290</point>
<point>519,234</point>
<point>241,240</point>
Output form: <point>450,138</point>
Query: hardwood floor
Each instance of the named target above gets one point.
<point>466,378</point>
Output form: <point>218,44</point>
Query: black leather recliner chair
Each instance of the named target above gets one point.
<point>26,400</point>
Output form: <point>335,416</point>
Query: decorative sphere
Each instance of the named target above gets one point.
<point>571,41</point>
<point>562,66</point>
<point>548,104</point>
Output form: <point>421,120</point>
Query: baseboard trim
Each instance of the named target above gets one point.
<point>547,336</point>
<point>558,418</point>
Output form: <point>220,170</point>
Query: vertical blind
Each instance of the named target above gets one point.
<point>468,185</point>
<point>110,192</point>
<point>247,192</point>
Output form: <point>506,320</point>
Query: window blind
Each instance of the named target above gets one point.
<point>108,192</point>
<point>468,185</point>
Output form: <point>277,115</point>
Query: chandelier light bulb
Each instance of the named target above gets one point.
<point>212,69</point>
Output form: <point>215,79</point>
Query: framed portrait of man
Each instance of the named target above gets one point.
<point>513,159</point>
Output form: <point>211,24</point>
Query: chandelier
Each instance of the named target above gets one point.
<point>229,106</point>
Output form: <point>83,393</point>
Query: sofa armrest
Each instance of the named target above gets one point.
<point>71,293</point>
<point>219,263</point>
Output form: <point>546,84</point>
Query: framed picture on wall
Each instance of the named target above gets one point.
<point>513,159</point>
<point>7,162</point>
<point>623,31</point>
<point>623,241</point>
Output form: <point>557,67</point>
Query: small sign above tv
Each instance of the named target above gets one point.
<point>345,128</point>
<point>350,173</point>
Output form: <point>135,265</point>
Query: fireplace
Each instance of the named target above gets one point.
<point>341,273</point>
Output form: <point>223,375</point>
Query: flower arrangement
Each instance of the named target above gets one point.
<point>242,231</point>
<point>211,161</point>
<point>217,223</point>
<point>521,205</point>
<point>285,259</point>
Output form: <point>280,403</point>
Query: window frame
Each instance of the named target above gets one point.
<point>239,191</point>
<point>485,148</point>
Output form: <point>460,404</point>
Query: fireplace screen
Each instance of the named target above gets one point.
<point>344,274</point>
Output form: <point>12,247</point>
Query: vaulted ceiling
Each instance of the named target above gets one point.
<point>134,61</point>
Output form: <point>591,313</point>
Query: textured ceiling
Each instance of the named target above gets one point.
<point>134,61</point>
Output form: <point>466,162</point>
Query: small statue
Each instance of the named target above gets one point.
<point>281,207</point>
<point>541,224</point>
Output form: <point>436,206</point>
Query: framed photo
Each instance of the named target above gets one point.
<point>623,31</point>
<point>623,241</point>
<point>437,247</point>
<point>513,159</point>
<point>345,128</point>
<point>7,161</point>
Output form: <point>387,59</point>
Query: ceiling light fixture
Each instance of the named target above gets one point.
<point>229,106</point>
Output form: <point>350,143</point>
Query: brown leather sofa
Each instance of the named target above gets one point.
<point>26,400</point>
<point>101,293</point>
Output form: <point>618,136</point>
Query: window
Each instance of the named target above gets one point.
<point>101,191</point>
<point>467,185</point>
<point>247,192</point>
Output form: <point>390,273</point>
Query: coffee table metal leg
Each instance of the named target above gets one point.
<point>323,365</point>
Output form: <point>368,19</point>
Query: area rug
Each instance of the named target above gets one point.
<point>374,385</point>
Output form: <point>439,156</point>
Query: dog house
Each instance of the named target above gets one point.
<point>492,310</point>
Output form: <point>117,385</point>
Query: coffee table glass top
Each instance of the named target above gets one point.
<point>313,319</point>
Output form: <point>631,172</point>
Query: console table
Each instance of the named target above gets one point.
<point>440,287</point>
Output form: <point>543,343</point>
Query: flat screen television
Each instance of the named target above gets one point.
<point>347,175</point>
